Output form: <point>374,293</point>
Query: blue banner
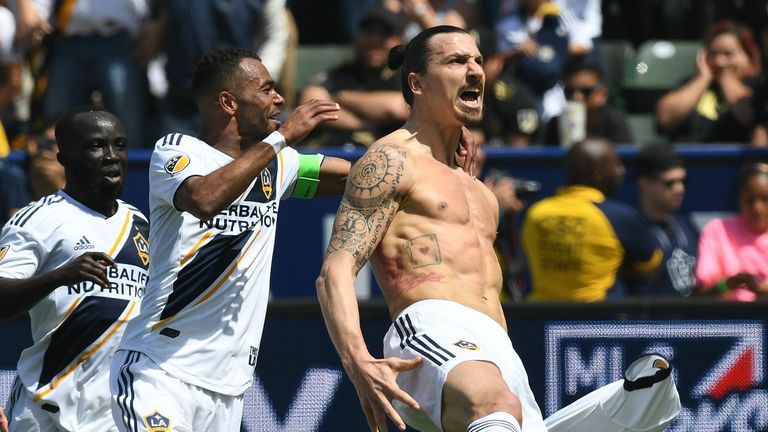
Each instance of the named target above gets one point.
<point>719,365</point>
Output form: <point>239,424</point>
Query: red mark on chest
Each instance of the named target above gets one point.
<point>442,205</point>
<point>424,250</point>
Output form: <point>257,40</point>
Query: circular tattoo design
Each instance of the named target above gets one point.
<point>373,169</point>
<point>377,173</point>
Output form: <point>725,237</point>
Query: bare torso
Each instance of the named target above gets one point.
<point>439,244</point>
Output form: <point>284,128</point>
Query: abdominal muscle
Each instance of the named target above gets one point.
<point>403,285</point>
<point>439,245</point>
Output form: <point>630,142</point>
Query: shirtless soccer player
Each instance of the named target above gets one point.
<point>428,229</point>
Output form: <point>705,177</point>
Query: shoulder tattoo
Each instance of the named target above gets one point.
<point>369,204</point>
<point>375,177</point>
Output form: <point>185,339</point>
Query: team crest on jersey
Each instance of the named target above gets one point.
<point>142,247</point>
<point>266,182</point>
<point>4,250</point>
<point>176,164</point>
<point>466,345</point>
<point>157,422</point>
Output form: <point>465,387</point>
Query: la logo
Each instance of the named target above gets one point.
<point>157,422</point>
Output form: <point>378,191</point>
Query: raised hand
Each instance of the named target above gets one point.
<point>466,152</point>
<point>90,266</point>
<point>506,194</point>
<point>375,382</point>
<point>702,65</point>
<point>31,28</point>
<point>306,117</point>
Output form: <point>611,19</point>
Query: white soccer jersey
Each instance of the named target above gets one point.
<point>202,318</point>
<point>76,328</point>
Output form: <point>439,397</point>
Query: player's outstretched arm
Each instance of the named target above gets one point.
<point>333,176</point>
<point>17,296</point>
<point>205,196</point>
<point>370,202</point>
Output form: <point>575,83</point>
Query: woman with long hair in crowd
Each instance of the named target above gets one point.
<point>716,104</point>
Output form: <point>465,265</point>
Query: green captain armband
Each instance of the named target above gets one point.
<point>308,177</point>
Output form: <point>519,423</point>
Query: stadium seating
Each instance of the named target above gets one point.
<point>312,59</point>
<point>643,127</point>
<point>616,55</point>
<point>659,66</point>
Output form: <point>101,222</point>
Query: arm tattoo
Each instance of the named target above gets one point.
<point>369,204</point>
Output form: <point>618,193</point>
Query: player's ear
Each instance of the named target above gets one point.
<point>61,156</point>
<point>414,82</point>
<point>228,102</point>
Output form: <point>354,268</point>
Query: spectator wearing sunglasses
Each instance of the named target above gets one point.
<point>583,82</point>
<point>661,179</point>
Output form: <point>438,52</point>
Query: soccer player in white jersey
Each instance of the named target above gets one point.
<point>77,262</point>
<point>187,359</point>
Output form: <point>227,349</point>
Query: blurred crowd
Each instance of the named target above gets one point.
<point>580,74</point>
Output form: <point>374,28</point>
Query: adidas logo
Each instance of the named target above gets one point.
<point>84,244</point>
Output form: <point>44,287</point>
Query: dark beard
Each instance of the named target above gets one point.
<point>471,119</point>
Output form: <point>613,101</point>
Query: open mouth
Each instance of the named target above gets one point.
<point>112,176</point>
<point>471,97</point>
<point>274,117</point>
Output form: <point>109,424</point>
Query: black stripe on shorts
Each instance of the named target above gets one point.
<point>438,346</point>
<point>422,343</point>
<point>400,334</point>
<point>427,347</point>
<point>409,343</point>
<point>125,391</point>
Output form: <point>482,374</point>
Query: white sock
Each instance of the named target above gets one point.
<point>496,422</point>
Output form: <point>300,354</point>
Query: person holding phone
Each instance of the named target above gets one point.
<point>733,252</point>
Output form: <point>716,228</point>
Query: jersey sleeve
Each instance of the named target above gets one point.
<point>176,158</point>
<point>21,253</point>
<point>642,253</point>
<point>288,158</point>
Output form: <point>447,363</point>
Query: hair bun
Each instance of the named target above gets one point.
<point>396,57</point>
